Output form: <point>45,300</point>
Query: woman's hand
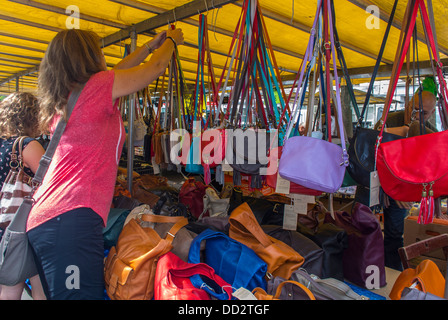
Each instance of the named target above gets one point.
<point>157,41</point>
<point>177,35</point>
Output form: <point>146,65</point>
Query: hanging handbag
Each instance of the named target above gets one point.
<point>233,261</point>
<point>173,280</point>
<point>286,290</point>
<point>299,162</point>
<point>362,145</point>
<point>130,266</point>
<point>16,257</point>
<point>281,259</point>
<point>17,184</point>
<point>414,169</point>
<point>365,244</point>
<point>271,179</point>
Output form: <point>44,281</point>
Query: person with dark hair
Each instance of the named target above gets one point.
<point>18,118</point>
<point>72,204</point>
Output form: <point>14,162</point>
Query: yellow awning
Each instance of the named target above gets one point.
<point>27,26</point>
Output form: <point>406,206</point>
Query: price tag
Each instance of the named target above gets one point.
<point>226,166</point>
<point>243,294</point>
<point>155,166</point>
<point>301,202</point>
<point>289,218</point>
<point>283,185</point>
<point>374,189</point>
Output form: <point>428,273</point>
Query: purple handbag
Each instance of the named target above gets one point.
<point>312,162</point>
<point>365,244</point>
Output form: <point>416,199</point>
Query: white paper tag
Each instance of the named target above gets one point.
<point>226,166</point>
<point>243,294</point>
<point>374,198</point>
<point>301,202</point>
<point>283,185</point>
<point>289,218</point>
<point>155,166</point>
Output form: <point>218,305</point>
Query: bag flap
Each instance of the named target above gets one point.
<point>420,159</point>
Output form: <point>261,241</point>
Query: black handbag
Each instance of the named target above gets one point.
<point>332,239</point>
<point>362,145</point>
<point>361,152</point>
<point>265,211</point>
<point>312,253</point>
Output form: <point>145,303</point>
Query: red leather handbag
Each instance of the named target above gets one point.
<point>172,279</point>
<point>191,194</point>
<point>415,169</point>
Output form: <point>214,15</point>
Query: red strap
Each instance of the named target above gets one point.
<point>400,64</point>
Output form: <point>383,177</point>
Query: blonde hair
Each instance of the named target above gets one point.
<point>72,57</point>
<point>19,115</point>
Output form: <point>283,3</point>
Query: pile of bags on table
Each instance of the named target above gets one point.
<point>194,243</point>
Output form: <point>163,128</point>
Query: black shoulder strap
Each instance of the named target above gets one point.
<point>377,65</point>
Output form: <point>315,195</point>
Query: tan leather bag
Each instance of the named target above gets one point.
<point>305,293</point>
<point>282,260</point>
<point>130,266</point>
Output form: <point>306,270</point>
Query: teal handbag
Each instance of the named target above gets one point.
<point>115,223</point>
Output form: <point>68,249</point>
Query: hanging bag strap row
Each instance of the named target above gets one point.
<point>377,65</point>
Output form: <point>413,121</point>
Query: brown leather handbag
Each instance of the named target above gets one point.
<point>286,290</point>
<point>282,260</point>
<point>130,266</point>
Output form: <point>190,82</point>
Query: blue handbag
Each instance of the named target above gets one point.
<point>236,263</point>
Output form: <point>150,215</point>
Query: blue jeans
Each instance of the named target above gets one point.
<point>393,234</point>
<point>69,251</point>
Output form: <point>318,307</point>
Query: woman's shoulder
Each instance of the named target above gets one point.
<point>101,77</point>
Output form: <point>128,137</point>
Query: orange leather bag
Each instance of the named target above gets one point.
<point>282,260</point>
<point>130,266</point>
<point>426,277</point>
<point>306,294</point>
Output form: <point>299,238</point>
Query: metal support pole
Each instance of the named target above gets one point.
<point>131,115</point>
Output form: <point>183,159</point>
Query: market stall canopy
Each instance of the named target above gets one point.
<point>27,26</point>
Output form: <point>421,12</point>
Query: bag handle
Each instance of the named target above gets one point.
<point>16,156</point>
<point>241,216</point>
<point>179,223</point>
<point>427,26</point>
<point>377,65</point>
<point>308,292</point>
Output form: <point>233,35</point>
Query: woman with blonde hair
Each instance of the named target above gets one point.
<point>71,206</point>
<point>18,117</point>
